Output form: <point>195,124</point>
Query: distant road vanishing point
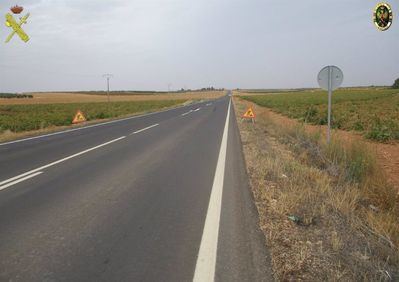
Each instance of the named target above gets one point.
<point>157,197</point>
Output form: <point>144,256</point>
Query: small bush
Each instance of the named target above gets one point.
<point>358,126</point>
<point>311,114</point>
<point>383,130</point>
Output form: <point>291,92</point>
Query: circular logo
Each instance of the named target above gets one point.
<point>383,16</point>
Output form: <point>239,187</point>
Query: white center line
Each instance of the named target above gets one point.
<point>197,110</point>
<point>144,129</point>
<point>20,180</point>
<point>59,161</point>
<point>187,113</point>
<point>206,261</point>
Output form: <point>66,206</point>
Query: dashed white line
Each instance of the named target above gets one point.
<point>206,261</point>
<point>20,180</point>
<point>209,104</point>
<point>144,129</point>
<point>94,125</point>
<point>19,177</point>
<point>196,110</point>
<point>187,113</point>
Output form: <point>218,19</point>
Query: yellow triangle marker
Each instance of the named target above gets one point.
<point>249,113</point>
<point>79,117</point>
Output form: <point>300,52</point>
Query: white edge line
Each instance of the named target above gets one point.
<point>144,129</point>
<point>20,180</point>
<point>206,260</point>
<point>95,125</point>
<point>60,161</point>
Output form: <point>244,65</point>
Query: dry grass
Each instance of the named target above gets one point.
<point>55,98</point>
<point>346,215</point>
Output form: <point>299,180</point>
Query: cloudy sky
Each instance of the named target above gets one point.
<point>148,44</point>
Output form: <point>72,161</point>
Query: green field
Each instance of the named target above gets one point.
<point>19,118</point>
<point>373,112</point>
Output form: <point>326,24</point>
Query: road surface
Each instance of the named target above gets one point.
<point>159,197</point>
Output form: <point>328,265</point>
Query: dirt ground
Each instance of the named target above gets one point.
<point>387,154</point>
<point>316,226</point>
<point>52,98</point>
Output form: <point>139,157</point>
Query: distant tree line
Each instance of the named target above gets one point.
<point>201,89</point>
<point>146,92</point>
<point>396,84</point>
<point>15,96</point>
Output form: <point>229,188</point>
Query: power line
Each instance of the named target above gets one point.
<point>108,76</point>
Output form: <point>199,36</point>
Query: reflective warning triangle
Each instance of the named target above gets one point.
<point>79,117</point>
<point>249,113</point>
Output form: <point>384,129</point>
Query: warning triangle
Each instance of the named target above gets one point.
<point>79,117</point>
<point>249,113</point>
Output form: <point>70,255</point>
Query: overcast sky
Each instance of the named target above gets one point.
<point>148,44</point>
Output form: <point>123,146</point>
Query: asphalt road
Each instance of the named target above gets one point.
<point>159,197</point>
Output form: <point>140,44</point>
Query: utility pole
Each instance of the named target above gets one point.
<point>108,76</point>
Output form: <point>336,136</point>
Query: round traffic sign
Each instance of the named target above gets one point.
<point>337,77</point>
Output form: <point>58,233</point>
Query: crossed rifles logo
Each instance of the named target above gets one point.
<point>15,26</point>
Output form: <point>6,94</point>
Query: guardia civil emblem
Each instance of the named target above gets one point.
<point>383,16</point>
<point>16,27</point>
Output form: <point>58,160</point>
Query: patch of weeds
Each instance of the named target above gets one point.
<point>383,130</point>
<point>358,126</point>
<point>311,114</point>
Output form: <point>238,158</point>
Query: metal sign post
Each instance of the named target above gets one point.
<point>330,78</point>
<point>329,105</point>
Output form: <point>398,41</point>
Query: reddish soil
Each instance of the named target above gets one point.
<point>387,154</point>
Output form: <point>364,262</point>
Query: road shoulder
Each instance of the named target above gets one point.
<point>242,252</point>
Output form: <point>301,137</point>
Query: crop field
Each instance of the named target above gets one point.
<point>85,97</point>
<point>20,118</point>
<point>372,112</point>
